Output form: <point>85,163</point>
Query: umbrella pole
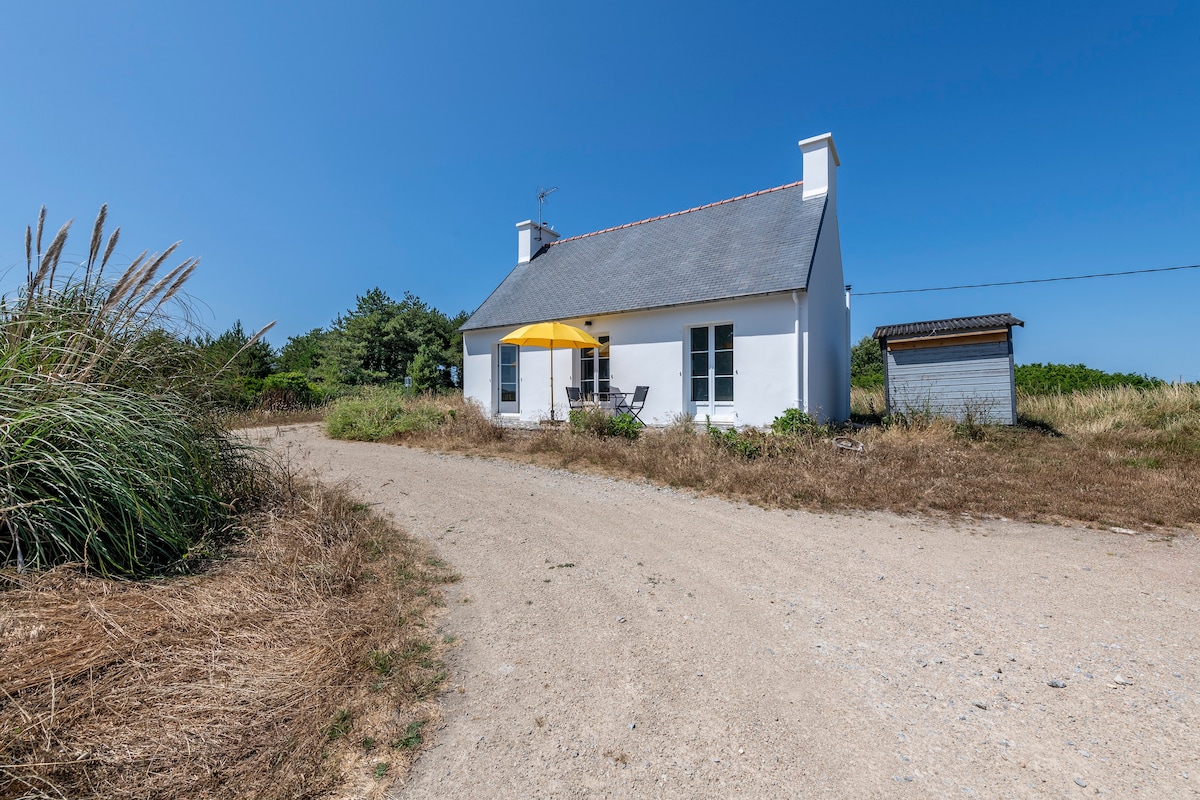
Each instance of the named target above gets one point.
<point>552,380</point>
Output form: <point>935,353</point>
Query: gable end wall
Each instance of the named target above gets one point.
<point>828,326</point>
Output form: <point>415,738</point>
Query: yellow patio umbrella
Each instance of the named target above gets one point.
<point>551,335</point>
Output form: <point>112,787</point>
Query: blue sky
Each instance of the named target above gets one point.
<point>310,151</point>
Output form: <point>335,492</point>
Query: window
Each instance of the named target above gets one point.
<point>507,379</point>
<point>711,364</point>
<point>593,368</point>
<point>723,363</point>
<point>700,355</point>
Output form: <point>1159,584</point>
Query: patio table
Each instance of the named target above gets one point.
<point>617,401</point>
<point>613,400</point>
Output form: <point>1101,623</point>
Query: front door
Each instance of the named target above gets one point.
<point>507,379</point>
<point>710,371</point>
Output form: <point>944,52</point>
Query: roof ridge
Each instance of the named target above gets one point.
<point>677,213</point>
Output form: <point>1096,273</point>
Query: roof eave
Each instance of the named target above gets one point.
<point>1002,322</point>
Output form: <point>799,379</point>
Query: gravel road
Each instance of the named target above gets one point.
<point>621,639</point>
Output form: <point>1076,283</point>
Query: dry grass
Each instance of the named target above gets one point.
<point>868,403</point>
<point>1123,474</point>
<point>288,669</point>
<point>1162,416</point>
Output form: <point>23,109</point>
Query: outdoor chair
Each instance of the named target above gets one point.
<point>574,398</point>
<point>638,403</point>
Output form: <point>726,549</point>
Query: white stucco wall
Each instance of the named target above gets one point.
<point>828,326</point>
<point>478,370</point>
<point>650,348</point>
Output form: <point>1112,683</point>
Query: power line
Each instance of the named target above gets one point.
<point>1031,280</point>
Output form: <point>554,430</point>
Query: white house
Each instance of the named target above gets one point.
<point>734,311</point>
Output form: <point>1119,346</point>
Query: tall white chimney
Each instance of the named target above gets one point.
<point>530,238</point>
<point>820,165</point>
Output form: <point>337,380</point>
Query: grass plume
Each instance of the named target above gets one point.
<point>106,460</point>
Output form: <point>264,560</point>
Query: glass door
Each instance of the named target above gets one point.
<point>593,370</point>
<point>710,370</point>
<point>507,379</point>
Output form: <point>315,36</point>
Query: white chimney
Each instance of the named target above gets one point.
<point>820,165</point>
<point>530,238</point>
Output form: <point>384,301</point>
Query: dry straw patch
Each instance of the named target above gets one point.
<point>289,669</point>
<point>1137,470</point>
<point>1164,414</point>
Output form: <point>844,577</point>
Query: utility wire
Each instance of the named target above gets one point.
<point>1031,280</point>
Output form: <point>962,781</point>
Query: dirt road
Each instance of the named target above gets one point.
<point>618,639</point>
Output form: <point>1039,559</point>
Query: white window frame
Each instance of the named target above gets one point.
<point>711,407</point>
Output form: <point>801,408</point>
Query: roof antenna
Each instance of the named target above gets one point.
<point>542,200</point>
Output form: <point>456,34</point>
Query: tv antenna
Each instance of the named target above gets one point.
<point>542,200</point>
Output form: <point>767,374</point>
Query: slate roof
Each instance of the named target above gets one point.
<point>955,325</point>
<point>755,244</point>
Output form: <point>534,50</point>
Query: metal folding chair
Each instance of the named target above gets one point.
<point>638,402</point>
<point>574,398</point>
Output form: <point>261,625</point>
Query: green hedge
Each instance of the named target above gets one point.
<point>1067,378</point>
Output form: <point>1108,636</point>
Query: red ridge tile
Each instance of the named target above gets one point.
<point>677,213</point>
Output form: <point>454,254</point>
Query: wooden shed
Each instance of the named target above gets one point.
<point>957,368</point>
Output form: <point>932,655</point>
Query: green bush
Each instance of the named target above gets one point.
<point>591,420</point>
<point>382,412</point>
<point>600,423</point>
<point>625,426</point>
<point>747,444</point>
<point>286,390</point>
<point>423,369</point>
<point>794,422</point>
<point>869,380</point>
<point>118,481</point>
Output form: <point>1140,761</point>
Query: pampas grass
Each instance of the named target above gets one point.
<point>106,458</point>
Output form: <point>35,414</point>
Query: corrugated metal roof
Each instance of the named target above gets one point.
<point>755,244</point>
<point>954,325</point>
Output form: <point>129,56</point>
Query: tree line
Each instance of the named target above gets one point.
<point>378,341</point>
<point>866,371</point>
